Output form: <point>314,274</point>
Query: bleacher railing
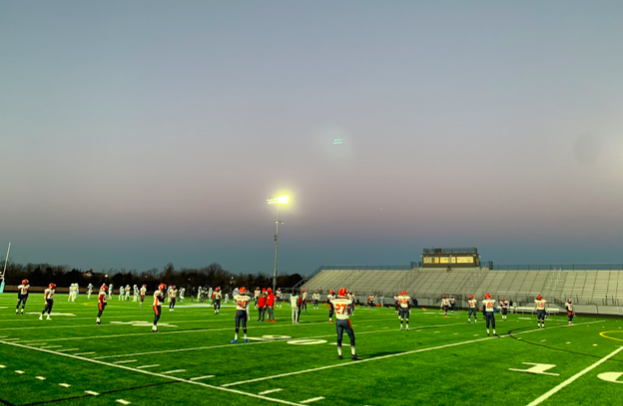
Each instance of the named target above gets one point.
<point>557,267</point>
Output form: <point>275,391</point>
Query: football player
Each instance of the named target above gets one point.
<point>128,290</point>
<point>304,300</point>
<point>279,298</point>
<point>22,296</point>
<point>570,312</point>
<point>217,296</point>
<point>158,299</point>
<point>261,305</point>
<point>111,290</point>
<point>397,305</point>
<point>405,308</point>
<point>488,308</point>
<point>101,304</point>
<point>172,296</point>
<point>48,296</point>
<point>452,303</point>
<point>294,305</point>
<point>256,296</point>
<point>89,291</point>
<point>330,298</point>
<point>143,291</point>
<point>445,304</point>
<point>539,306</point>
<point>121,294</point>
<point>472,309</point>
<point>342,323</point>
<point>242,313</point>
<point>351,297</point>
<point>504,308</point>
<point>316,299</point>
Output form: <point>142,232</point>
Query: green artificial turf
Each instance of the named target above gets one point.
<point>441,361</point>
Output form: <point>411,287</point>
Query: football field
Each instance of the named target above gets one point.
<point>440,361</point>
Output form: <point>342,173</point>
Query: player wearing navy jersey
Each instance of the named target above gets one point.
<point>405,308</point>
<point>101,304</point>
<point>504,308</point>
<point>216,300</point>
<point>343,308</point>
<point>452,304</point>
<point>330,298</point>
<point>48,296</point>
<point>242,313</point>
<point>22,296</point>
<point>158,299</point>
<point>570,312</point>
<point>473,303</point>
<point>539,305</point>
<point>488,308</point>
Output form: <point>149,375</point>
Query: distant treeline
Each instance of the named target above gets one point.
<point>212,275</point>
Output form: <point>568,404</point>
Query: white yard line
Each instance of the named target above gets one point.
<point>84,353</point>
<point>266,392</point>
<point>68,349</point>
<point>173,372</point>
<point>148,366</point>
<point>265,378</point>
<point>127,361</point>
<point>123,402</point>
<point>51,346</point>
<point>262,342</point>
<point>174,378</point>
<point>64,385</point>
<point>548,394</point>
<point>313,399</point>
<point>197,378</point>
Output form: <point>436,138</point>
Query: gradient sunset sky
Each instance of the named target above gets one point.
<point>137,133</point>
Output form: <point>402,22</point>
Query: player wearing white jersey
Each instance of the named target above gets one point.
<point>330,298</point>
<point>473,304</point>
<point>216,300</point>
<point>294,305</point>
<point>143,291</point>
<point>172,298</point>
<point>445,304</point>
<point>128,290</point>
<point>242,313</point>
<point>256,296</point>
<point>101,304</point>
<point>304,300</point>
<point>182,291</point>
<point>135,293</point>
<point>570,312</point>
<point>121,294</point>
<point>48,296</point>
<point>405,308</point>
<point>158,299</point>
<point>504,308</point>
<point>279,298</point>
<point>540,305</point>
<point>111,290</point>
<point>488,307</point>
<point>316,299</point>
<point>343,308</point>
<point>89,291</point>
<point>22,296</point>
<point>351,297</point>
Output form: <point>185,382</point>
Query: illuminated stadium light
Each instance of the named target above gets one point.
<point>283,199</point>
<point>279,200</point>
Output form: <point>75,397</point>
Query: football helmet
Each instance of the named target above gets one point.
<point>471,297</point>
<point>25,282</point>
<point>342,292</point>
<point>488,296</point>
<point>242,291</point>
<point>52,285</point>
<point>539,297</point>
<point>162,286</point>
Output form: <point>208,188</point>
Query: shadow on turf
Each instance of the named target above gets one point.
<point>522,340</point>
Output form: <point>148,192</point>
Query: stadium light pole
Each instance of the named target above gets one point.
<point>278,201</point>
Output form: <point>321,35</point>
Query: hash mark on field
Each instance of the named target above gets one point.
<point>148,366</point>
<point>90,392</point>
<point>266,392</point>
<point>68,349</point>
<point>173,372</point>
<point>51,346</point>
<point>2,366</point>
<point>84,353</point>
<point>123,402</point>
<point>203,377</point>
<point>312,399</point>
<point>127,361</point>
<point>64,385</point>
<point>41,378</point>
<point>19,372</point>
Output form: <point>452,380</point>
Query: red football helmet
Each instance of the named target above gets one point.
<point>304,290</point>
<point>52,285</point>
<point>264,290</point>
<point>25,282</point>
<point>404,293</point>
<point>342,292</point>
<point>503,299</point>
<point>162,286</point>
<point>568,300</point>
<point>445,296</point>
<point>173,287</point>
<point>104,288</point>
<point>242,291</point>
<point>471,297</point>
<point>217,289</point>
<point>331,292</point>
<point>487,296</point>
<point>144,285</point>
<point>539,297</point>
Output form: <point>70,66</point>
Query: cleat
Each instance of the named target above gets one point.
<point>495,335</point>
<point>234,341</point>
<point>98,323</point>
<point>407,329</point>
<point>41,317</point>
<point>487,334</point>
<point>355,358</point>
<point>155,331</point>
<point>246,341</point>
<point>340,357</point>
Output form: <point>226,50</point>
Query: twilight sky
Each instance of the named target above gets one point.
<point>136,133</point>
